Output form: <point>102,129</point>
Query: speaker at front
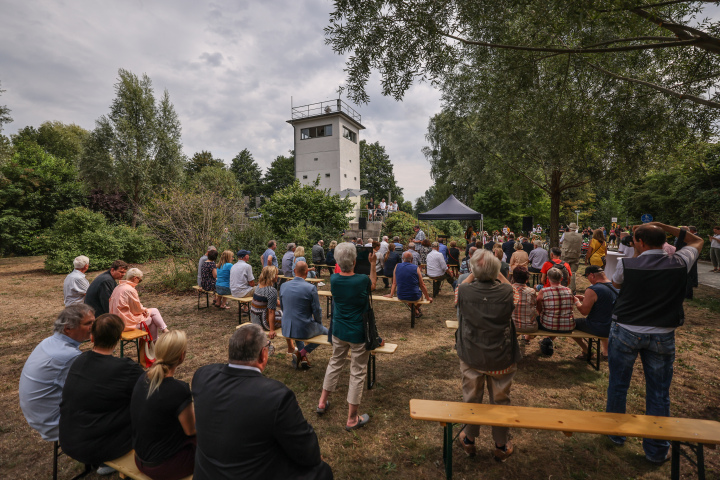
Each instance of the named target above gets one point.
<point>363,223</point>
<point>527,224</point>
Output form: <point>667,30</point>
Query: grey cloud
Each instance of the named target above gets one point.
<point>230,68</point>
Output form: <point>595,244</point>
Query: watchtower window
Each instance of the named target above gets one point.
<point>315,132</point>
<point>304,177</point>
<point>350,135</point>
<point>327,175</point>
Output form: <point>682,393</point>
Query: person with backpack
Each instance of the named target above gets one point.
<point>555,262</point>
<point>597,304</point>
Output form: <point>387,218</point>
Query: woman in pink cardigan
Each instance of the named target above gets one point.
<point>125,303</point>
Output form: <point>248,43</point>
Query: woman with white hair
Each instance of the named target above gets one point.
<point>75,285</point>
<point>125,303</point>
<point>350,301</point>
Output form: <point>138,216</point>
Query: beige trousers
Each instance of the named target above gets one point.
<point>473,387</point>
<point>358,368</point>
<point>574,264</point>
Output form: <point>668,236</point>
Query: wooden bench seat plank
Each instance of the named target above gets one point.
<point>453,324</point>
<point>580,421</point>
<point>380,298</point>
<point>128,335</point>
<point>308,279</point>
<point>125,465</point>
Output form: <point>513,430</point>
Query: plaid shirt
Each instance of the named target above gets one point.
<point>557,303</point>
<point>524,299</point>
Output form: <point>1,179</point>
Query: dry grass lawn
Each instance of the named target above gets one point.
<point>425,366</point>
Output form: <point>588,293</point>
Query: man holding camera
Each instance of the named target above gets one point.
<point>646,314</point>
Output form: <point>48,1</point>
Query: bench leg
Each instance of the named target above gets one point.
<point>675,460</point>
<point>596,341</point>
<point>412,315</point>
<point>447,449</point>
<point>137,348</point>
<point>56,454</point>
<point>371,372</point>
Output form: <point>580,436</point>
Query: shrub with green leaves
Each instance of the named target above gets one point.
<point>79,231</point>
<point>307,211</point>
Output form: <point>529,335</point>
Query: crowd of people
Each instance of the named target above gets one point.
<point>101,407</point>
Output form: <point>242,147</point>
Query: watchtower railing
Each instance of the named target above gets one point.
<point>323,108</point>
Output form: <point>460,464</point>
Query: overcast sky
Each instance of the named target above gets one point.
<point>230,68</point>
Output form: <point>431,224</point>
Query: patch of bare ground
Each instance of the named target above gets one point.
<point>425,366</point>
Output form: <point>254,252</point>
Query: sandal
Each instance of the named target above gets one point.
<point>321,411</point>
<point>362,421</point>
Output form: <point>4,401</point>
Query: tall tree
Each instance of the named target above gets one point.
<point>201,160</point>
<point>659,46</point>
<point>247,172</point>
<point>56,138</point>
<point>5,145</point>
<point>376,172</point>
<point>281,174</point>
<point>138,141</point>
<point>4,113</point>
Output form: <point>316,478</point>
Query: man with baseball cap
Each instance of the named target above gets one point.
<point>596,305</point>
<point>242,280</point>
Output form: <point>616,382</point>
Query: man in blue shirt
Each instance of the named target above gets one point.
<point>270,252</point>
<point>443,249</point>
<point>287,260</point>
<point>43,376</point>
<point>302,315</point>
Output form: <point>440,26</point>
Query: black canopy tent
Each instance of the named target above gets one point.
<point>452,209</point>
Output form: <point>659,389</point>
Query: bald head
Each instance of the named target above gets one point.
<point>301,269</point>
<point>652,236</point>
<point>407,257</point>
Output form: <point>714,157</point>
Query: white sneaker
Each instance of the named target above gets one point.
<point>105,470</point>
<point>321,284</point>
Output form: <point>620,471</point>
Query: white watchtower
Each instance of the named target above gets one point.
<point>326,146</point>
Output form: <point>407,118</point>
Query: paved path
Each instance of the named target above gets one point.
<point>706,277</point>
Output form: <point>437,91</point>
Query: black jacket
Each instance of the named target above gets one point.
<point>99,291</point>
<point>251,427</point>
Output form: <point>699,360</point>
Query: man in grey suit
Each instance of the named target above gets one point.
<point>302,315</point>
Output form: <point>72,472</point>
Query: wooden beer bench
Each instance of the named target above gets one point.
<point>388,348</point>
<point>241,301</point>
<point>202,292</point>
<point>593,340</point>
<point>126,467</point>
<point>377,298</point>
<point>132,336</point>
<point>693,433</point>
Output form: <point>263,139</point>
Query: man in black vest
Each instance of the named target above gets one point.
<point>646,314</point>
<point>99,292</point>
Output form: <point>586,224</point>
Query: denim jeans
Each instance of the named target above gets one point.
<point>315,329</point>
<point>657,354</point>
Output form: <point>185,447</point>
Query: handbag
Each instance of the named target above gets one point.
<point>372,339</point>
<point>147,348</point>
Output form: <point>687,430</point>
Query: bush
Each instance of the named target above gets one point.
<point>79,231</point>
<point>402,224</point>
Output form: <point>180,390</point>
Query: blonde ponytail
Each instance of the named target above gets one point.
<point>169,351</point>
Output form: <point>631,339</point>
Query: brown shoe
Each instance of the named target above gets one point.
<point>469,448</point>
<point>502,455</point>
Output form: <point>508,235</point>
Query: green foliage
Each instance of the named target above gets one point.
<point>79,231</point>
<point>324,215</point>
<point>247,172</point>
<point>253,237</point>
<point>4,113</point>
<point>402,224</point>
<point>56,138</point>
<point>201,160</point>
<point>136,148</point>
<point>376,173</point>
<point>281,174</point>
<point>33,186</point>
<point>217,178</point>
<point>449,227</point>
